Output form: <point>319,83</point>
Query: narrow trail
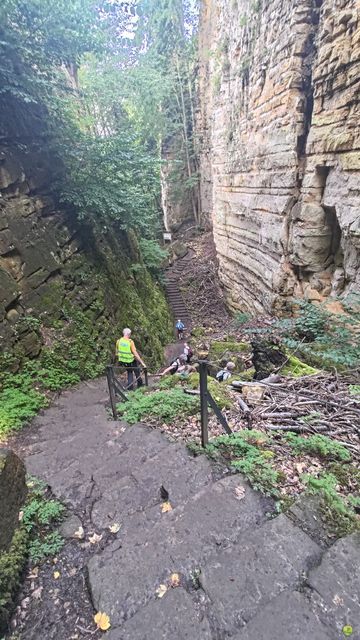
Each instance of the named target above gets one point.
<point>240,573</point>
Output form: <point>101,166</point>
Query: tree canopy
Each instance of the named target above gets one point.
<point>113,83</point>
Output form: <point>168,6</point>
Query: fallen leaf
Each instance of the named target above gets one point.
<point>56,575</point>
<point>34,573</point>
<point>114,528</point>
<point>102,621</point>
<point>37,593</point>
<point>166,507</point>
<point>80,533</point>
<point>175,580</point>
<point>239,492</point>
<point>337,600</point>
<point>72,572</point>
<point>161,590</point>
<point>347,630</point>
<point>21,515</point>
<point>95,538</point>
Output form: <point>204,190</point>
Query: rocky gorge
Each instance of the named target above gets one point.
<point>278,124</point>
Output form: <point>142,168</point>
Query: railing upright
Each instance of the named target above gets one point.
<point>204,403</point>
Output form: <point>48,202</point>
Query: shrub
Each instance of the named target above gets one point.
<point>165,405</point>
<point>243,449</point>
<point>319,445</point>
<point>18,406</point>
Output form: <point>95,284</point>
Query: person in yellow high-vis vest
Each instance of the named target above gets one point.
<point>129,358</point>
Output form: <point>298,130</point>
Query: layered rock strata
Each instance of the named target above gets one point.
<point>279,122</point>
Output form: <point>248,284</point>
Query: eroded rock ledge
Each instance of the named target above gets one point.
<point>278,121</point>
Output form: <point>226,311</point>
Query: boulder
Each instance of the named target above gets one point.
<point>12,494</point>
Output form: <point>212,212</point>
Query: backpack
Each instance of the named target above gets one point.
<point>220,375</point>
<point>190,353</point>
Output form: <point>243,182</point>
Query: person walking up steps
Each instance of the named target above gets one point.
<point>129,358</point>
<point>180,329</point>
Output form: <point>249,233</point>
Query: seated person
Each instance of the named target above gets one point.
<point>226,373</point>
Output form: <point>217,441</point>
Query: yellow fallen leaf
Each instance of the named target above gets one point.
<point>95,538</point>
<point>161,590</point>
<point>102,621</point>
<point>80,533</point>
<point>166,507</point>
<point>175,580</point>
<point>114,528</point>
<point>56,575</point>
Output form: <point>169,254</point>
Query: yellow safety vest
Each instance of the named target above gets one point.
<point>124,350</point>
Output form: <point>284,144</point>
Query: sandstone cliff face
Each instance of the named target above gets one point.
<point>279,122</point>
<point>54,270</point>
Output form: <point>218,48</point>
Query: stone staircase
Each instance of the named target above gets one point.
<point>243,571</point>
<point>173,292</point>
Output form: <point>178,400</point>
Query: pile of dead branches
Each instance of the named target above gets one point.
<point>311,404</point>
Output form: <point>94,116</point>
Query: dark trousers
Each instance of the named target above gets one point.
<point>132,367</point>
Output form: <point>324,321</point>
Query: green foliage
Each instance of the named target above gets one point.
<point>242,318</point>
<point>18,406</point>
<point>324,339</point>
<point>312,321</point>
<point>165,405</point>
<point>354,389</point>
<point>48,545</point>
<point>338,512</point>
<point>12,563</point>
<point>319,445</point>
<point>152,254</point>
<point>242,448</point>
<point>40,512</point>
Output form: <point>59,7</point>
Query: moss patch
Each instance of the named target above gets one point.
<point>297,368</point>
<point>12,564</point>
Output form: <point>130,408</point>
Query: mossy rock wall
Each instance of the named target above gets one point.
<point>67,287</point>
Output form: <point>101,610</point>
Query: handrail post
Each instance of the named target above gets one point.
<point>146,376</point>
<point>109,375</point>
<point>203,402</point>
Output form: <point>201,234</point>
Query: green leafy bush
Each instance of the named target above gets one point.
<point>46,546</point>
<point>40,512</point>
<point>165,405</point>
<point>243,449</point>
<point>152,254</point>
<point>18,406</point>
<point>319,445</point>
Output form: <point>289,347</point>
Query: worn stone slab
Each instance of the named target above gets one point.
<point>306,512</point>
<point>336,584</point>
<point>288,617</point>
<point>179,472</point>
<point>171,617</point>
<point>244,578</point>
<point>122,580</point>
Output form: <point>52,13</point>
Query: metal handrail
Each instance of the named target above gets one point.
<point>117,388</point>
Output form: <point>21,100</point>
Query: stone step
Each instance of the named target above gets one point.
<point>288,617</point>
<point>125,576</point>
<point>241,580</point>
<point>174,617</point>
<point>130,489</point>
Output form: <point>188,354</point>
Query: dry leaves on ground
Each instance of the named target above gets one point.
<point>102,621</point>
